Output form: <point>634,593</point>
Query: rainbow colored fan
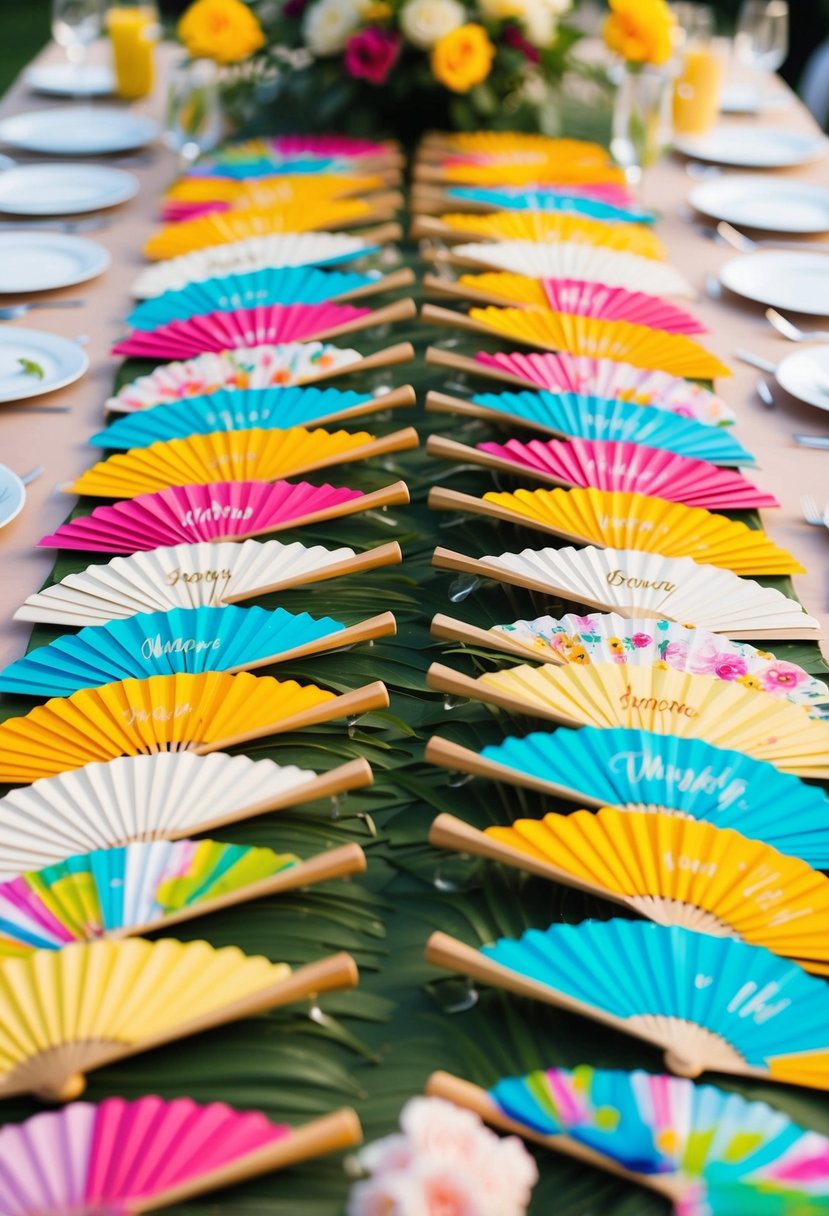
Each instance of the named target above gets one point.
<point>225,510</point>
<point>544,228</point>
<point>128,1157</point>
<point>181,640</point>
<point>209,712</point>
<point>609,207</point>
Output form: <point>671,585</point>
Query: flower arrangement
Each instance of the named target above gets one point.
<point>443,1161</point>
<point>640,31</point>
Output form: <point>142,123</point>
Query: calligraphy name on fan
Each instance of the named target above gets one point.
<point>639,767</point>
<point>200,515</point>
<point>752,1001</point>
<point>197,576</point>
<point>155,648</point>
<point>624,521</point>
<point>137,713</point>
<point>618,578</point>
<point>656,704</point>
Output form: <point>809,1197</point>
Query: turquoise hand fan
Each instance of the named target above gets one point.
<point>573,416</point>
<point>708,1002</point>
<point>549,201</point>
<point>637,770</point>
<point>190,640</point>
<point>241,409</point>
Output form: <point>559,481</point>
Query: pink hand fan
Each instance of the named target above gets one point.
<point>618,304</point>
<point>324,146</point>
<point>224,510</point>
<point>265,325</point>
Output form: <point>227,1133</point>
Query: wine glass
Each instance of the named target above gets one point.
<point>761,40</point>
<point>75,25</point>
<point>193,118</point>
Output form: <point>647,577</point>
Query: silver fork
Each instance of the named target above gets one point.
<point>93,224</point>
<point>793,332</point>
<point>10,312</point>
<point>811,511</point>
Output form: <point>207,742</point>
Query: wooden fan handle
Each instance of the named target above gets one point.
<point>383,234</point>
<point>397,398</point>
<point>382,555</point>
<point>435,315</point>
<point>387,200</point>
<point>434,285</point>
<point>381,626</point>
<point>396,494</point>
<point>444,679</point>
<point>401,352</point>
<point>436,357</point>
<point>445,559</point>
<point>397,441</point>
<point>449,755</point>
<point>389,282</point>
<point>399,310</point>
<point>450,630</point>
<point>450,449</point>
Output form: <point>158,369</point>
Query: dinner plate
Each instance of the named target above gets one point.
<point>63,189</point>
<point>772,203</point>
<point>60,361</point>
<point>42,261</point>
<point>12,495</point>
<point>805,374</point>
<point>78,130</point>
<point>793,282</point>
<point>67,80</point>
<point>741,98</point>
<point>753,147</point>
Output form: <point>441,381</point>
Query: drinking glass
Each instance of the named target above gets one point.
<point>134,29</point>
<point>761,41</point>
<point>75,25</point>
<point>701,61</point>
<point>194,116</point>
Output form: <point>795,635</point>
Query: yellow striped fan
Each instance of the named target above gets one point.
<point>249,455</point>
<point>503,285</point>
<point>667,702</point>
<point>270,192</point>
<point>545,228</point>
<point>536,171</point>
<point>639,345</point>
<point>672,870</point>
<point>66,1012</point>
<point>200,713</point>
<point>615,520</point>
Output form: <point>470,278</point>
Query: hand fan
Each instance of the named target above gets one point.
<point>138,1156</point>
<point>637,770</point>
<point>492,144</point>
<point>69,1011</point>
<point>306,147</point>
<point>597,418</point>
<point>670,870</point>
<point>247,455</point>
<point>181,640</point>
<point>536,172</point>
<point>610,206</point>
<point>612,465</point>
<point>255,367</point>
<point>262,325</point>
<point>637,584</point>
<point>201,713</point>
<point>542,228</point>
<point>165,796</point>
<point>225,510</point>
<point>193,196</point>
<point>204,574</point>
<point>646,642</point>
<point>588,337</point>
<point>665,701</point>
<point>708,1002</point>
<point>635,521</point>
<point>243,408</point>
<point>141,887</point>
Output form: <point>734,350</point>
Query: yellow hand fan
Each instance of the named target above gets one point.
<point>513,143</point>
<point>274,191</point>
<point>200,713</point>
<point>249,455</point>
<point>667,702</point>
<point>507,287</point>
<point>671,870</point>
<point>544,171</point>
<point>615,520</point>
<point>543,228</point>
<point>67,1012</point>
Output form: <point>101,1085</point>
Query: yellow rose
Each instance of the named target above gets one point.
<point>223,30</point>
<point>376,13</point>
<point>749,681</point>
<point>463,58</point>
<point>640,30</point>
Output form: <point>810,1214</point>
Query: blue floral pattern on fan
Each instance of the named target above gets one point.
<point>549,201</point>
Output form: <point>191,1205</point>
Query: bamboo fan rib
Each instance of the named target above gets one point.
<point>544,229</point>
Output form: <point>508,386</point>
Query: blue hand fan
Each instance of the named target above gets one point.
<point>271,285</point>
<point>708,1002</point>
<point>191,640</point>
<point>586,417</point>
<point>265,166</point>
<point>548,200</point>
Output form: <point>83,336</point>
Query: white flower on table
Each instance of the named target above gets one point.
<point>425,22</point>
<point>329,24</point>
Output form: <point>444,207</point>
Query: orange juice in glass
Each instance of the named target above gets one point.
<point>698,87</point>
<point>133,31</point>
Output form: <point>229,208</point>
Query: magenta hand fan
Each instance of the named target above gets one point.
<point>618,304</point>
<point>224,510</point>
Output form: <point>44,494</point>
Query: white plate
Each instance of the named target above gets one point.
<point>790,282</point>
<point>753,147</point>
<point>66,80</point>
<point>78,131</point>
<point>742,98</point>
<point>805,374</point>
<point>42,261</point>
<point>63,189</point>
<point>772,203</point>
<point>12,495</point>
<point>62,362</point>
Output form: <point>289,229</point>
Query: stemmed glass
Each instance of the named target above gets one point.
<point>761,40</point>
<point>194,118</point>
<point>75,25</point>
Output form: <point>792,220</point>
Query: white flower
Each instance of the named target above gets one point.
<point>558,7</point>
<point>425,22</point>
<point>539,23</point>
<point>329,24</point>
<point>502,10</point>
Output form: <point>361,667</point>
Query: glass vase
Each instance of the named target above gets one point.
<point>642,126</point>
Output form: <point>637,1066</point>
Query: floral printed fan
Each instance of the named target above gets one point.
<point>670,870</point>
<point>637,584</point>
<point>637,770</point>
<point>613,466</point>
<point>181,640</point>
<point>73,1010</point>
<point>129,1156</point>
<point>708,1002</point>
<point>164,796</point>
<point>543,228</point>
<point>256,455</point>
<point>201,713</point>
<point>204,574</point>
<point>649,698</point>
<point>636,521</point>
<point>225,510</point>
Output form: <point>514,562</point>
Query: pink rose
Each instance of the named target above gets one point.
<point>641,640</point>
<point>729,667</point>
<point>513,37</point>
<point>675,655</point>
<point>583,624</point>
<point>782,677</point>
<point>371,54</point>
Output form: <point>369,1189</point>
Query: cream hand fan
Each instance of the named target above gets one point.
<point>543,228</point>
<point>201,713</point>
<point>635,521</point>
<point>590,337</point>
<point>257,454</point>
<point>666,702</point>
<point>70,1011</point>
<point>636,584</point>
<point>166,796</point>
<point>204,574</point>
<point>670,870</point>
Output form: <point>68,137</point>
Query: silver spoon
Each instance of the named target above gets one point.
<point>793,332</point>
<point>10,312</point>
<point>765,394</point>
